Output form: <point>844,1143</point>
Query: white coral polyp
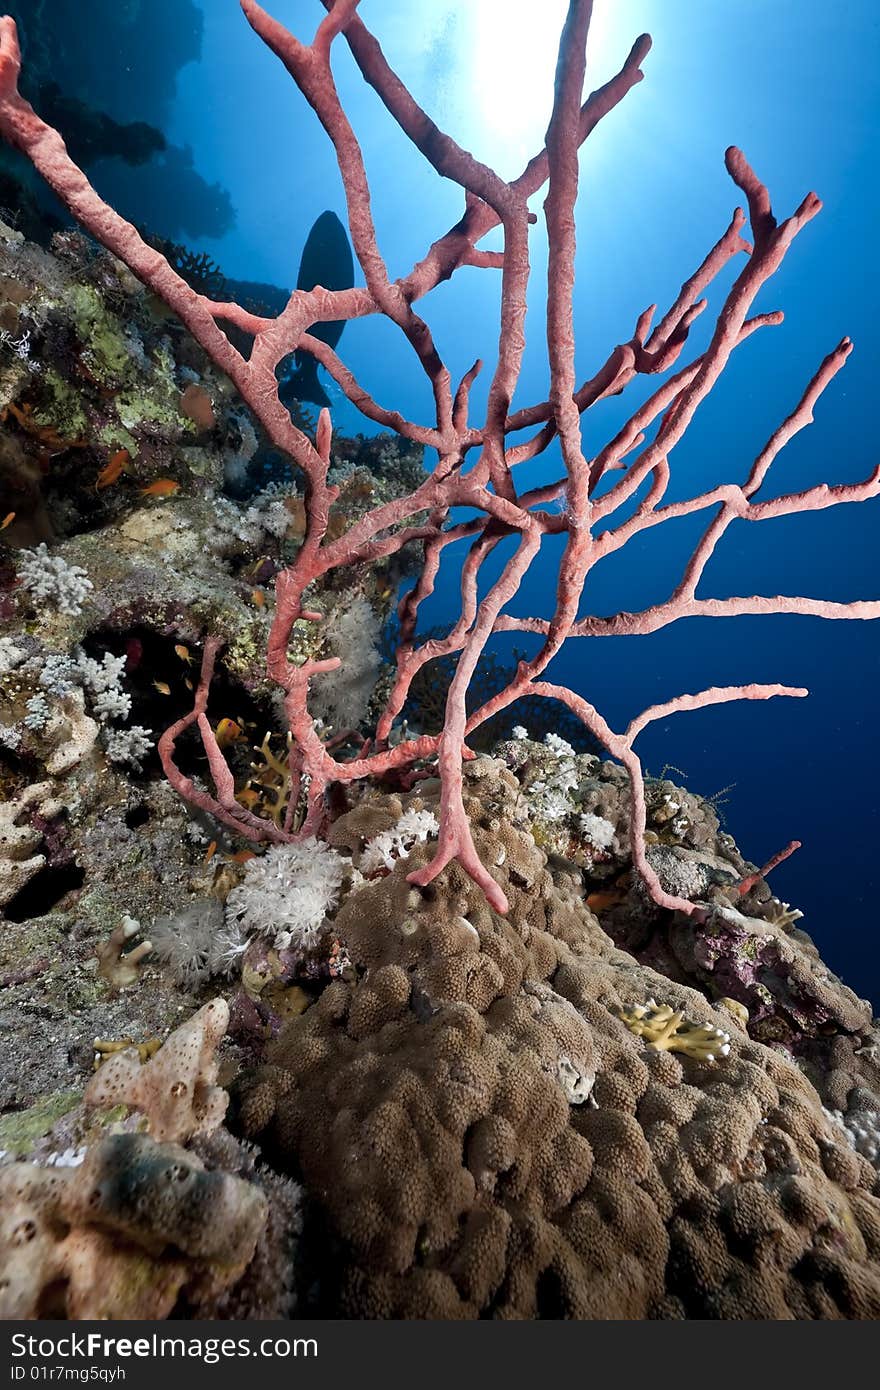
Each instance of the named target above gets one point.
<point>598,831</point>
<point>390,845</point>
<point>101,679</point>
<point>287,893</point>
<point>558,746</point>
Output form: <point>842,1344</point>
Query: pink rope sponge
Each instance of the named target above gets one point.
<point>589,519</point>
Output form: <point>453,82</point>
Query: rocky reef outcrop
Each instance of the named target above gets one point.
<point>133,1223</point>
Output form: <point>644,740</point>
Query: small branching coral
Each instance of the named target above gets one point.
<point>666,1030</point>
<point>600,504</point>
<point>68,700</point>
<point>268,788</point>
<point>50,579</point>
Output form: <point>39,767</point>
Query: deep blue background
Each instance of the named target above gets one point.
<point>794,83</point>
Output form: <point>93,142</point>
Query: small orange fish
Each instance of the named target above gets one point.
<point>226,732</point>
<point>162,487</point>
<point>45,434</point>
<point>8,518</point>
<point>598,901</point>
<point>116,465</point>
<point>248,797</point>
<point>258,598</point>
<point>242,856</point>
<point>163,687</point>
<point>210,852</point>
<point>183,652</point>
<point>188,683</point>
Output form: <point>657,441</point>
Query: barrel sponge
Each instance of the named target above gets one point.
<point>176,1088</point>
<point>123,1234</point>
<point>486,1137</point>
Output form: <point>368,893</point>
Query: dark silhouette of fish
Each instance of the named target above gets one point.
<point>327,261</point>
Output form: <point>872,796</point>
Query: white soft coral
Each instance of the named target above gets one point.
<point>596,830</point>
<point>390,845</point>
<point>342,697</point>
<point>287,892</point>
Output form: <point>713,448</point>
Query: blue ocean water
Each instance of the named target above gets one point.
<point>247,171</point>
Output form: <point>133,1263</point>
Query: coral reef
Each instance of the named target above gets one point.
<point>476,1129</point>
<point>586,496</point>
<point>513,1033</point>
<point>487,1135</point>
<point>90,834</point>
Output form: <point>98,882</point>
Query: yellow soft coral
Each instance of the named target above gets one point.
<point>665,1029</point>
<point>108,1047</point>
<point>268,790</point>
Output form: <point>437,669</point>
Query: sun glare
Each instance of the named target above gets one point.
<point>513,46</point>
